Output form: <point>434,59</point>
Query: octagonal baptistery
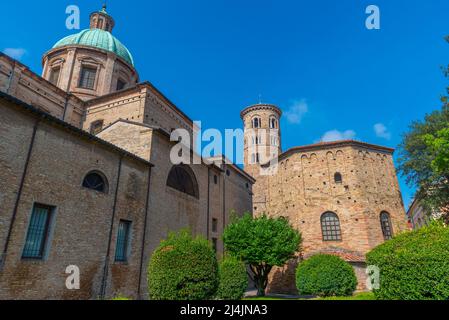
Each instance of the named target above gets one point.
<point>91,63</point>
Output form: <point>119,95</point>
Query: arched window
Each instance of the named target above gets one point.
<point>385,223</point>
<point>183,179</point>
<point>257,122</point>
<point>95,180</point>
<point>338,178</point>
<point>330,226</point>
<point>273,123</point>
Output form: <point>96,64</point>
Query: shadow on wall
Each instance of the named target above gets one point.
<point>283,280</point>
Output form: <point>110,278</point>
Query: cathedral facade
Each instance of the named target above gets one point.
<point>86,177</point>
<point>87,181</point>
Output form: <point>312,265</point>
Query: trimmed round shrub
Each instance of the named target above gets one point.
<point>183,268</point>
<point>414,265</point>
<point>233,279</point>
<point>324,276</point>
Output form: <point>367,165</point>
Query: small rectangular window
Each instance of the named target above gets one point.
<point>215,244</point>
<point>214,225</point>
<point>87,78</point>
<point>96,127</point>
<point>38,231</point>
<point>121,252</point>
<point>54,75</point>
<point>120,85</point>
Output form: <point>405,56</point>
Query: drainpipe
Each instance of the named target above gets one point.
<point>208,204</point>
<point>114,209</point>
<point>224,201</point>
<point>66,103</point>
<point>11,77</point>
<point>142,253</point>
<point>19,195</point>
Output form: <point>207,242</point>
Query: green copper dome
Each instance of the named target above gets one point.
<point>99,39</point>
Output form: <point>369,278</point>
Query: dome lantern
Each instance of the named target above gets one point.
<point>102,20</point>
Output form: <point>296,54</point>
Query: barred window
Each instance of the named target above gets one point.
<point>124,230</point>
<point>87,78</point>
<point>330,226</point>
<point>183,179</point>
<point>37,235</point>
<point>385,223</point>
<point>96,181</point>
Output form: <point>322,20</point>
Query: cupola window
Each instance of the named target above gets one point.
<point>54,75</point>
<point>87,78</point>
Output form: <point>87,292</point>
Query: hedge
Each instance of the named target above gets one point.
<point>233,279</point>
<point>324,276</point>
<point>414,265</point>
<point>183,268</point>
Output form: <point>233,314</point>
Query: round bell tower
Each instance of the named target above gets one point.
<point>262,135</point>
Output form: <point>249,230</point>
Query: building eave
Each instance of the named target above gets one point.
<point>68,127</point>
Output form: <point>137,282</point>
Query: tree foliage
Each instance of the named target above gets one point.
<point>183,268</point>
<point>423,157</point>
<point>414,265</point>
<point>262,243</point>
<point>324,276</point>
<point>233,279</point>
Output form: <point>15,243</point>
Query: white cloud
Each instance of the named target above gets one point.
<point>382,131</point>
<point>15,53</point>
<point>296,111</point>
<point>335,135</point>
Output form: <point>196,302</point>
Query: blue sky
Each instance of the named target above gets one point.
<point>315,59</point>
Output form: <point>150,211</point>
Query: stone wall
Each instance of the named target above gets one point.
<point>82,218</point>
<point>171,210</point>
<point>18,81</point>
<point>304,188</point>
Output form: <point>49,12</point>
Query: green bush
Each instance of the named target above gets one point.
<point>324,276</point>
<point>233,279</point>
<point>183,268</point>
<point>414,265</point>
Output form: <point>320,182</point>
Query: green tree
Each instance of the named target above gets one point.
<point>233,279</point>
<point>423,157</point>
<point>262,243</point>
<point>439,144</point>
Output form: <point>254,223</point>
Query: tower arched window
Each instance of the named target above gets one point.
<point>257,122</point>
<point>182,178</point>
<point>338,178</point>
<point>385,222</point>
<point>330,227</point>
<point>96,181</point>
<point>273,123</point>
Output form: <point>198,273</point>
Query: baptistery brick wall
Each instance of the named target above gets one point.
<point>304,188</point>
